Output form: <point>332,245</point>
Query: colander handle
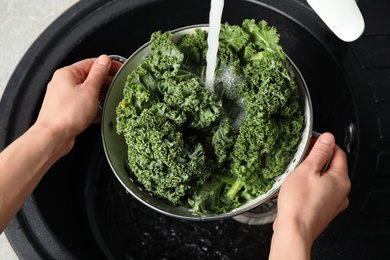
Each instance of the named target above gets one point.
<point>115,58</point>
<point>118,58</point>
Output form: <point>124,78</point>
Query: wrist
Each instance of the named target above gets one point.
<point>291,240</point>
<point>58,142</point>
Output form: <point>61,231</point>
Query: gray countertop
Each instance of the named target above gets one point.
<point>22,22</point>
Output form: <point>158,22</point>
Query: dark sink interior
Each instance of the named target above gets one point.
<point>85,210</point>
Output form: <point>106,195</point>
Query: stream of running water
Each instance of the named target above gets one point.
<point>216,9</point>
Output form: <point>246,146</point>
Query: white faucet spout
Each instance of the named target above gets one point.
<point>343,17</point>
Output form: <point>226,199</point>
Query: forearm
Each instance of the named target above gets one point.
<point>290,242</point>
<point>22,166</point>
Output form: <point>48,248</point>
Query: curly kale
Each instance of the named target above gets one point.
<point>206,150</point>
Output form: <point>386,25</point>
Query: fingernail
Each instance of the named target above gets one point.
<point>103,60</point>
<point>326,139</point>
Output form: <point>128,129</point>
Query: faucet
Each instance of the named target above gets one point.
<point>343,17</point>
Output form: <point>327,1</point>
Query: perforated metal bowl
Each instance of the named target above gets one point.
<point>116,149</point>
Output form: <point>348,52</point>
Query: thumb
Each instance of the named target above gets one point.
<point>98,72</point>
<point>321,152</point>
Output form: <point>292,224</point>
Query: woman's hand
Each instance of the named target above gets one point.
<point>309,199</point>
<point>71,100</point>
<point>69,107</point>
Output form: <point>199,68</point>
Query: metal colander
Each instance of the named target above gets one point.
<point>116,149</point>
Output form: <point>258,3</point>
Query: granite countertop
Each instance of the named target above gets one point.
<point>22,21</point>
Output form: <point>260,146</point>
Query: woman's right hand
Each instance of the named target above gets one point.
<point>309,199</point>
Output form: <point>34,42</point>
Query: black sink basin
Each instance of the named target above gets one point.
<point>79,210</point>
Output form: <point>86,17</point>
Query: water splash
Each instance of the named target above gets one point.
<point>227,83</point>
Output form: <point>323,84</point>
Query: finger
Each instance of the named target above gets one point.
<point>313,140</point>
<point>81,69</point>
<point>115,66</point>
<point>321,152</point>
<point>338,169</point>
<point>74,74</point>
<point>107,83</point>
<point>339,161</point>
<point>98,73</point>
<point>85,65</point>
